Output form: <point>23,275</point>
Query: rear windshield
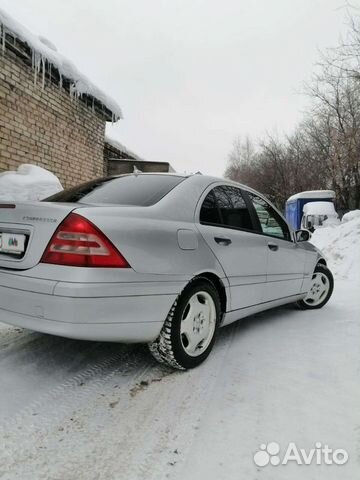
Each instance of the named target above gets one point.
<point>139,190</point>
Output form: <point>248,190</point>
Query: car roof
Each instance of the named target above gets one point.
<point>203,181</point>
<point>196,178</point>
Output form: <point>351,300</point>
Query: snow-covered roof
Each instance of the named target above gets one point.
<point>119,146</point>
<point>313,194</point>
<point>319,208</point>
<point>43,50</point>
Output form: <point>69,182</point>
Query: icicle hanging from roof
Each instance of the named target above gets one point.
<point>44,51</point>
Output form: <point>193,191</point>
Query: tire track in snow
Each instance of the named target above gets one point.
<point>73,433</point>
<point>39,441</point>
<point>38,420</point>
<point>162,420</point>
<point>10,335</point>
<point>180,433</point>
<point>71,384</point>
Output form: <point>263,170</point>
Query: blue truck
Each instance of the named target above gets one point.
<point>294,207</point>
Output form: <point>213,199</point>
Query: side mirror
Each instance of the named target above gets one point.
<point>302,235</point>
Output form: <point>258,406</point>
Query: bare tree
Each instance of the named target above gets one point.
<point>324,149</point>
<point>240,159</point>
<point>336,118</point>
<point>276,167</point>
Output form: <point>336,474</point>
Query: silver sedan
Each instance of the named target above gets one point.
<point>163,259</point>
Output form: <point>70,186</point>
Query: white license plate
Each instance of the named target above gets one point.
<point>12,243</point>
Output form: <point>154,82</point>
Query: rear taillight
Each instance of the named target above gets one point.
<point>79,243</point>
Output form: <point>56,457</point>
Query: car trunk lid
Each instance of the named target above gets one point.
<point>26,229</point>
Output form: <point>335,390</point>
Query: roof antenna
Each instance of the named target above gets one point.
<point>136,170</point>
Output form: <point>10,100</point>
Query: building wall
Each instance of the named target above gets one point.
<point>111,152</point>
<point>119,167</point>
<point>46,127</point>
<point>118,163</point>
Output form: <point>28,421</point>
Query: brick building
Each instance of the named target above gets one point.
<point>50,114</point>
<point>45,119</point>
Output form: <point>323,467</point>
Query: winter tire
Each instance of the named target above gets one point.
<point>190,328</point>
<point>321,288</point>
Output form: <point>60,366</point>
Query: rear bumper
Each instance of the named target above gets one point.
<point>120,312</point>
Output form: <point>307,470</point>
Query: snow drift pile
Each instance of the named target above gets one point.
<point>340,245</point>
<point>28,183</point>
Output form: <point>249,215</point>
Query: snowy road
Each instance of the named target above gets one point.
<point>77,410</point>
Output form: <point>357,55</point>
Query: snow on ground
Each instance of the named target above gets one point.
<point>80,410</point>
<point>28,183</point>
<point>341,245</point>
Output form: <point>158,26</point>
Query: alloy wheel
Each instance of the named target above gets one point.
<point>198,323</point>
<point>319,289</point>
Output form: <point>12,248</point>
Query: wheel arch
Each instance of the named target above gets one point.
<point>322,261</point>
<point>219,285</point>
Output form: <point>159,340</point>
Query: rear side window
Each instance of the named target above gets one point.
<point>137,190</point>
<point>209,212</point>
<point>225,206</point>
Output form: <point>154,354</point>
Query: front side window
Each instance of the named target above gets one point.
<point>225,206</point>
<point>270,221</point>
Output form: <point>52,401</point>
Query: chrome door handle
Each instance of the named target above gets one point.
<point>273,246</point>
<point>223,241</point>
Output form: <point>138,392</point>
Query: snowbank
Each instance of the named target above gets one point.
<point>341,246</point>
<point>28,183</point>
<point>351,216</point>
<point>43,50</point>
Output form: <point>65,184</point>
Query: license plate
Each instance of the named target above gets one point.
<point>12,243</point>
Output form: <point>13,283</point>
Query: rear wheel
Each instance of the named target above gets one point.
<point>321,288</point>
<point>189,331</point>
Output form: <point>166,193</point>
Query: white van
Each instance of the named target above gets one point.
<point>315,214</point>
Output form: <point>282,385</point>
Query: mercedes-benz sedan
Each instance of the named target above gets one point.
<point>163,259</point>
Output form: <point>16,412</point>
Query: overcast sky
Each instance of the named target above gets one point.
<point>191,75</point>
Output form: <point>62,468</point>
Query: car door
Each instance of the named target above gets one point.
<point>225,222</point>
<point>286,261</point>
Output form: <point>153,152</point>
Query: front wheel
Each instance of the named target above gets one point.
<point>189,331</point>
<point>321,288</point>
